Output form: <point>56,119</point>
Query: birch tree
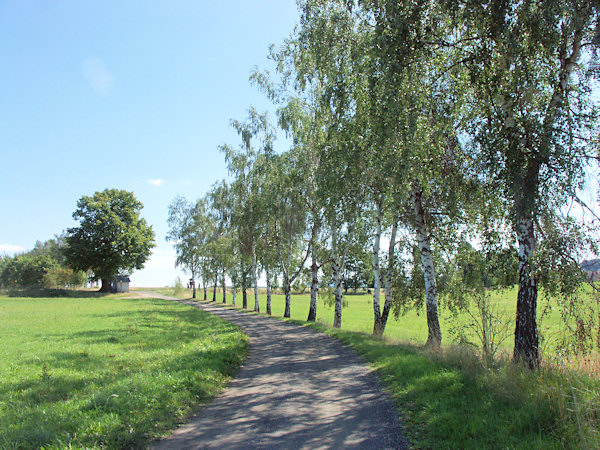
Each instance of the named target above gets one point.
<point>257,138</point>
<point>290,221</point>
<point>530,70</point>
<point>189,231</point>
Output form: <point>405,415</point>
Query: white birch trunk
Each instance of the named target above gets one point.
<point>268,292</point>
<point>255,280</point>
<point>434,337</point>
<point>526,334</point>
<point>193,285</point>
<point>336,269</point>
<point>380,327</point>
<point>314,268</point>
<point>376,274</point>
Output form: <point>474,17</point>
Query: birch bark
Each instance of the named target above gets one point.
<point>193,285</point>
<point>314,269</point>
<point>379,327</point>
<point>336,268</point>
<point>526,333</point>
<point>268,292</point>
<point>255,280</point>
<point>434,337</point>
<point>376,274</point>
<point>224,287</point>
<point>215,287</point>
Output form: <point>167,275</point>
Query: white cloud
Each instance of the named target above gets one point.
<point>11,249</point>
<point>156,182</point>
<point>97,75</point>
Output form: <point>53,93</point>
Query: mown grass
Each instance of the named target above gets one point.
<point>451,399</point>
<point>107,372</point>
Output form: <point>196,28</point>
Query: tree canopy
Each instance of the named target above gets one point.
<point>111,236</point>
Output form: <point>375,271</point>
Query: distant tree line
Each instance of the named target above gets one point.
<point>448,141</point>
<point>44,266</point>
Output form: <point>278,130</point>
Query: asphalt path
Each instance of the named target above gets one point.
<point>298,388</point>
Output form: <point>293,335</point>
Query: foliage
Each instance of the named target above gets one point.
<point>26,270</point>
<point>111,235</point>
<point>190,230</point>
<point>43,266</point>
<point>61,277</point>
<point>452,125</point>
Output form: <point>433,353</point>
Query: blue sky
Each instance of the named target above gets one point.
<point>133,95</point>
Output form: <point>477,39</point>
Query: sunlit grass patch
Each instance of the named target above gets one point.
<point>94,372</point>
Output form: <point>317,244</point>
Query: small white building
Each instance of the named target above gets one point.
<point>120,283</point>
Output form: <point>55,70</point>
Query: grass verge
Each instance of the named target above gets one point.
<point>450,399</point>
<point>107,372</point>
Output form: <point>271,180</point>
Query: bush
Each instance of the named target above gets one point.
<point>62,277</point>
<point>27,270</point>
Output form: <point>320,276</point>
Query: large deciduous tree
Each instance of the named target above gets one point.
<point>111,235</point>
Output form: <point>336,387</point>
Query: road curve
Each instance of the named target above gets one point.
<point>298,389</point>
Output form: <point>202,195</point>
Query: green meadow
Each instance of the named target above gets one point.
<point>107,372</point>
<point>410,327</point>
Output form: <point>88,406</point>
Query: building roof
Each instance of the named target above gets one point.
<point>592,265</point>
<point>122,278</point>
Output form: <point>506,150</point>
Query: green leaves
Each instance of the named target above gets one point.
<point>111,237</point>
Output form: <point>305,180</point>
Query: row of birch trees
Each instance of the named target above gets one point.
<point>423,132</point>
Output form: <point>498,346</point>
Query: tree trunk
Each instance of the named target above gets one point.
<point>380,324</point>
<point>377,328</point>
<point>215,288</point>
<point>106,285</point>
<point>314,288</point>
<point>339,296</point>
<point>526,335</point>
<point>598,308</point>
<point>224,287</point>
<point>288,296</point>
<point>244,298</point>
<point>434,338</point>
<point>255,277</point>
<point>268,292</point>
<point>233,295</point>
<point>204,287</point>
<point>193,284</point>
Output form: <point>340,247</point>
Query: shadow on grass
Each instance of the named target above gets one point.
<point>38,292</point>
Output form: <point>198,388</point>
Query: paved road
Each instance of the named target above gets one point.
<point>297,389</point>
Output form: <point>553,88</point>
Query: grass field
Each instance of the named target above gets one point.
<point>409,328</point>
<point>107,372</point>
